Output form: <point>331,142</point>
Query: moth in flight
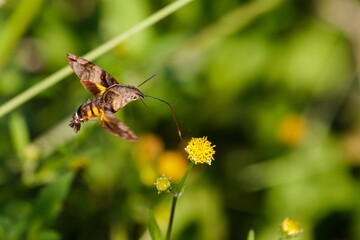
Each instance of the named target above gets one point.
<point>109,97</point>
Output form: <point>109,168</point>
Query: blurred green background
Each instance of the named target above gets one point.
<point>272,83</point>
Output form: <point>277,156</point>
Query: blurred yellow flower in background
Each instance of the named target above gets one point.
<point>172,163</point>
<point>148,148</point>
<point>200,150</point>
<point>145,155</point>
<point>147,174</point>
<point>78,164</point>
<point>291,129</point>
<point>290,227</point>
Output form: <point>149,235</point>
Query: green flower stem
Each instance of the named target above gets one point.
<point>180,185</point>
<point>173,205</point>
<point>65,71</point>
<point>177,194</point>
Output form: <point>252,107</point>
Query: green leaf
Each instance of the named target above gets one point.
<point>16,27</point>
<point>19,133</point>
<point>154,229</point>
<point>48,204</point>
<point>49,235</point>
<point>251,235</point>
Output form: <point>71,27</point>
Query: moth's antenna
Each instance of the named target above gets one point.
<point>147,80</point>
<point>172,111</point>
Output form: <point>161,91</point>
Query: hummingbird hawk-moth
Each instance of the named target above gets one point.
<point>109,97</point>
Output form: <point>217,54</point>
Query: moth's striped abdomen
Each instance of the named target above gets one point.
<point>90,109</point>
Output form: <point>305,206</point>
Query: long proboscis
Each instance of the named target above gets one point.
<point>172,112</point>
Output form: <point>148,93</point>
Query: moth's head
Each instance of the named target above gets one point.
<point>133,94</point>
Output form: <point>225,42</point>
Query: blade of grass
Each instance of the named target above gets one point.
<point>19,133</point>
<point>154,229</point>
<point>65,71</point>
<point>251,235</point>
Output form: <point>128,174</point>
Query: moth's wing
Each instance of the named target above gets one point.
<point>114,126</point>
<point>88,71</point>
<point>95,89</point>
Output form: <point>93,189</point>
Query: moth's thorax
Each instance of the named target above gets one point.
<point>119,95</point>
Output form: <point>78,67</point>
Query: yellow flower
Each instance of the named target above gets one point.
<point>200,150</point>
<point>172,163</point>
<point>147,150</point>
<point>78,164</point>
<point>292,129</point>
<point>145,153</point>
<point>290,227</point>
<point>163,184</point>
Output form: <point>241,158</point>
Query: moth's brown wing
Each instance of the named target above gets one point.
<point>95,89</point>
<point>88,71</point>
<point>114,126</point>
